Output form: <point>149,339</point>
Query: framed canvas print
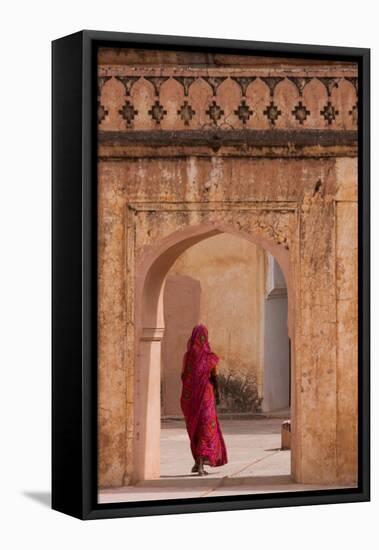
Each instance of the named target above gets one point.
<point>210,275</point>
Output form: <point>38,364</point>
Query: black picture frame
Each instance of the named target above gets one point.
<point>74,307</point>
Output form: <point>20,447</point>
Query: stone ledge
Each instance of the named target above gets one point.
<point>218,138</point>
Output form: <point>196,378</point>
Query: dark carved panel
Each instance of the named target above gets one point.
<point>243,112</point>
<point>214,82</point>
<point>214,112</point>
<point>329,84</point>
<point>157,82</point>
<point>186,113</point>
<point>272,112</point>
<point>329,112</point>
<point>300,112</point>
<point>243,82</point>
<point>300,83</point>
<point>128,82</point>
<point>272,82</point>
<point>186,82</point>
<point>157,112</point>
<point>128,113</point>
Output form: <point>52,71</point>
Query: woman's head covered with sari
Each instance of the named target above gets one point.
<point>198,338</point>
<point>199,353</point>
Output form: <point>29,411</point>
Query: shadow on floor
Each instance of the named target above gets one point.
<point>196,482</point>
<point>42,497</point>
<point>248,427</point>
<point>255,481</point>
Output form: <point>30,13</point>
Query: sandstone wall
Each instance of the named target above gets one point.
<point>287,181</point>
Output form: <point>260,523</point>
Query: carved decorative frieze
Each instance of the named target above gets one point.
<point>329,112</point>
<point>214,82</point>
<point>101,80</point>
<point>329,84</point>
<point>243,82</point>
<point>157,112</point>
<point>128,113</point>
<point>272,82</point>
<point>101,112</point>
<point>128,82</point>
<point>303,110</point>
<point>301,113</point>
<point>186,82</point>
<point>214,112</point>
<point>186,113</point>
<point>354,82</point>
<point>354,113</point>
<point>243,112</point>
<point>300,83</point>
<point>272,112</point>
<point>157,82</point>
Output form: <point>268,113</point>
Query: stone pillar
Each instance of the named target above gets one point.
<point>148,406</point>
<point>316,342</point>
<point>347,320</point>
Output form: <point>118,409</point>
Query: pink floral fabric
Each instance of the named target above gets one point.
<point>198,400</point>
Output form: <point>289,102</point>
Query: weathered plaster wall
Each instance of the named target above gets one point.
<point>294,193</point>
<point>231,274</point>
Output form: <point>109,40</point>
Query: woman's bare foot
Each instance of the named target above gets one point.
<point>201,470</point>
<point>195,468</point>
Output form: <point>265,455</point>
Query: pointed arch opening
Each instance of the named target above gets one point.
<point>152,269</point>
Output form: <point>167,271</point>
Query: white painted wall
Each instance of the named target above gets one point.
<point>276,370</point>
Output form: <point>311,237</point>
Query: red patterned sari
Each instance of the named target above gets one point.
<point>198,400</point>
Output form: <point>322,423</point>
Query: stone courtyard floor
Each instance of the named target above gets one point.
<point>255,465</point>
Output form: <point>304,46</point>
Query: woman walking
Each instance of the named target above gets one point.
<point>200,393</point>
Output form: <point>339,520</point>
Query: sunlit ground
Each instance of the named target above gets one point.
<point>256,464</point>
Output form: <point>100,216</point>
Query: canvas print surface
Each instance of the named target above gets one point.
<point>227,274</point>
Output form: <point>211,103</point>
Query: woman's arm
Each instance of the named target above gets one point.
<point>183,366</point>
<point>216,385</point>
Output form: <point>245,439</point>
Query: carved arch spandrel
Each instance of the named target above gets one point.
<point>269,221</point>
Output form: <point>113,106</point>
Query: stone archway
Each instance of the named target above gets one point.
<point>153,267</point>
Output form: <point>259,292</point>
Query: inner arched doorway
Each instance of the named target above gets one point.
<point>149,327</point>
